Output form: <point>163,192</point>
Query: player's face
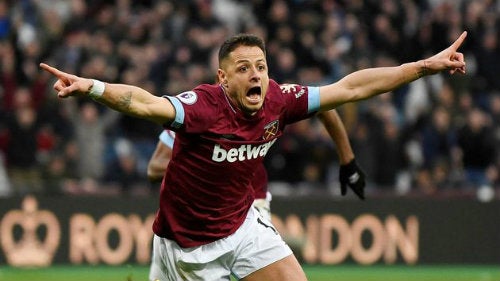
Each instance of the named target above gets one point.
<point>245,74</point>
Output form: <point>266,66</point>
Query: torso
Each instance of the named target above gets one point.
<point>215,159</point>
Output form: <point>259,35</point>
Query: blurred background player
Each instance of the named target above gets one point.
<point>349,175</point>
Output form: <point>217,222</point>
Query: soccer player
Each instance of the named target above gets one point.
<point>205,228</point>
<point>349,174</point>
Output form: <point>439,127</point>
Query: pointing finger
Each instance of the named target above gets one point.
<point>56,72</point>
<point>459,41</point>
<point>51,69</point>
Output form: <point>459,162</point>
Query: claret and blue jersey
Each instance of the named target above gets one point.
<point>216,157</point>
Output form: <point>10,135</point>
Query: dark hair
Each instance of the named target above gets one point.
<point>241,39</point>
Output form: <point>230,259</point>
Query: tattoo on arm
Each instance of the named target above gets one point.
<point>125,101</point>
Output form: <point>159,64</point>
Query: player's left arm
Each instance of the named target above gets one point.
<point>366,83</point>
<point>350,174</point>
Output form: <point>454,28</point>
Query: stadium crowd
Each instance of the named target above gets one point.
<point>439,135</point>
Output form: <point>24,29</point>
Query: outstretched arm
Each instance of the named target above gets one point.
<point>127,99</point>
<point>350,174</point>
<point>367,83</point>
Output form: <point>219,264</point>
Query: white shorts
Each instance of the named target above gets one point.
<point>263,205</point>
<point>253,246</point>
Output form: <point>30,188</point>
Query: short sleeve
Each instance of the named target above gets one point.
<point>301,101</point>
<point>194,110</point>
<point>167,137</point>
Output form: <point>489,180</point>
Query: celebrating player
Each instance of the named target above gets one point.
<point>205,228</point>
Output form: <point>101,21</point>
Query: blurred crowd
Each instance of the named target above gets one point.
<point>438,135</point>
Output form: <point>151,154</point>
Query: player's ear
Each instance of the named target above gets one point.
<point>221,77</point>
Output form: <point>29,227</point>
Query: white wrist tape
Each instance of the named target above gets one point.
<point>97,89</point>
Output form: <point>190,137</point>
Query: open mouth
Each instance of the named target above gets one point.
<point>254,95</point>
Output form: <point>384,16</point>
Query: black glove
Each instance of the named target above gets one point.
<point>351,175</point>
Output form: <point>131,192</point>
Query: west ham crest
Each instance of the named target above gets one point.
<point>270,130</point>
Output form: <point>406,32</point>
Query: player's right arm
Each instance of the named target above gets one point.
<point>127,99</point>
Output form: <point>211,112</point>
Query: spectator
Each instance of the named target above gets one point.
<point>90,134</point>
<point>438,143</point>
<point>21,148</point>
<point>123,169</point>
<point>476,141</point>
<point>438,139</point>
<point>488,62</point>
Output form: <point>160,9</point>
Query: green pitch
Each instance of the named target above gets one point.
<point>314,273</point>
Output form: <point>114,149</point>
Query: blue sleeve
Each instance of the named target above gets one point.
<point>179,112</point>
<point>167,138</point>
<point>313,99</point>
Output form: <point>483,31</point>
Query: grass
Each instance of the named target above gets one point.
<point>314,273</point>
